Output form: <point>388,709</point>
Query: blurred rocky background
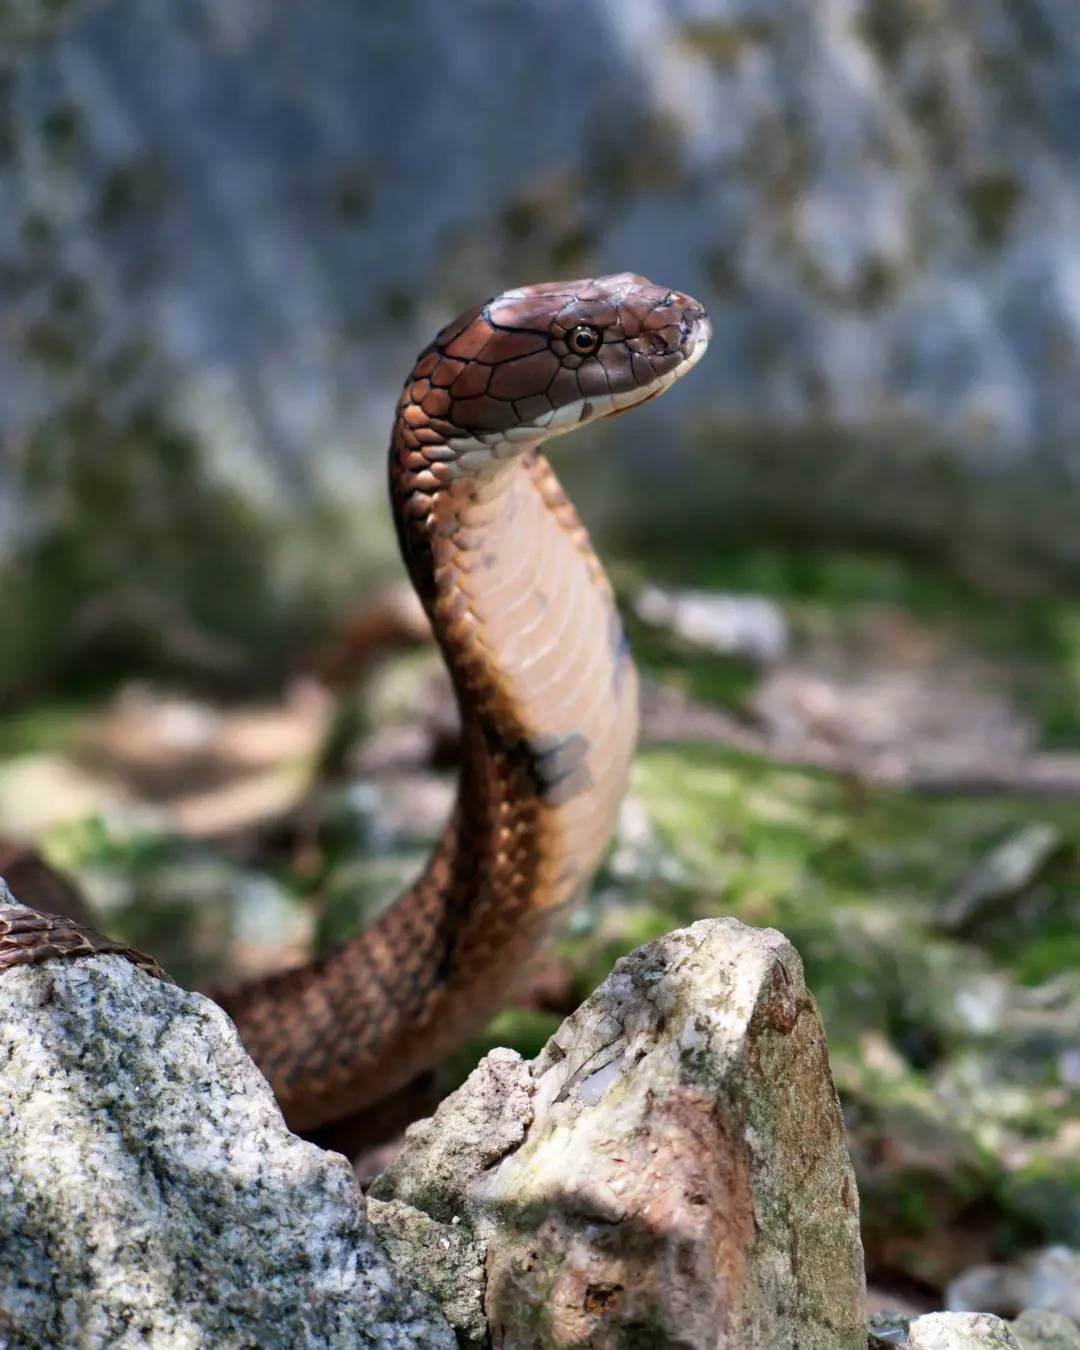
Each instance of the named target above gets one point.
<point>229,227</point>
<point>847,548</point>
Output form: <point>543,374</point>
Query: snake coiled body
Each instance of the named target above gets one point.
<point>527,623</point>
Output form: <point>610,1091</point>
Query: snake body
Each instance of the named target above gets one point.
<point>547,692</point>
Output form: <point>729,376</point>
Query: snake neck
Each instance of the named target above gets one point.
<point>527,623</point>
<point>548,695</point>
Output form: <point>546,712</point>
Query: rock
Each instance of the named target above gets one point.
<point>1034,1329</point>
<point>446,1259</point>
<point>1003,874</point>
<point>1042,1329</point>
<point>1049,1278</point>
<point>150,1194</point>
<point>887,1329</point>
<point>960,1331</point>
<point>751,626</point>
<point>670,1170</point>
<point>444,1157</point>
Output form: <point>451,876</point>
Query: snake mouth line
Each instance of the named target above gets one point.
<point>485,449</point>
<point>600,407</point>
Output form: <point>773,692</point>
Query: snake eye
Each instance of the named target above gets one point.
<point>583,340</point>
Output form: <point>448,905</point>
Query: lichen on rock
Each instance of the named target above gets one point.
<point>960,1331</point>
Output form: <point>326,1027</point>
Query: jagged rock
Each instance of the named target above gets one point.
<point>960,1331</point>
<point>1034,1329</point>
<point>150,1194</point>
<point>670,1170</point>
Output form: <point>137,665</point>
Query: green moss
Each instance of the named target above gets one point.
<point>887,26</point>
<point>8,129</point>
<point>353,195</point>
<point>722,271</point>
<point>33,21</point>
<point>129,191</point>
<point>150,566</point>
<point>1052,953</point>
<point>1054,692</point>
<point>61,130</point>
<point>645,156</point>
<point>1046,1193</point>
<point>723,42</point>
<point>48,726</point>
<point>991,200</point>
<point>524,1029</point>
<point>753,830</point>
<point>398,304</point>
<point>49,345</point>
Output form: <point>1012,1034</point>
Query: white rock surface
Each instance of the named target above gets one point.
<point>670,1171</point>
<point>751,626</point>
<point>960,1331</point>
<point>150,1194</point>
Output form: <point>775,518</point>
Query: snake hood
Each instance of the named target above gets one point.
<point>541,360</point>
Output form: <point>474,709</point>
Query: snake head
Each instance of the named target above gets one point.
<point>541,360</point>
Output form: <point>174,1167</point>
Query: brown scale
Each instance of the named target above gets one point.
<point>545,754</point>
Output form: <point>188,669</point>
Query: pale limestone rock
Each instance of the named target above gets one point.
<point>150,1194</point>
<point>670,1170</point>
<point>960,1331</point>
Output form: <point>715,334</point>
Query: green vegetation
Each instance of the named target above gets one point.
<point>1030,638</point>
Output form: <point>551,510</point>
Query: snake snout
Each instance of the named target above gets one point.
<point>694,325</point>
<point>695,330</point>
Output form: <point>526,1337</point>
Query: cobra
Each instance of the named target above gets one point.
<point>547,692</point>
